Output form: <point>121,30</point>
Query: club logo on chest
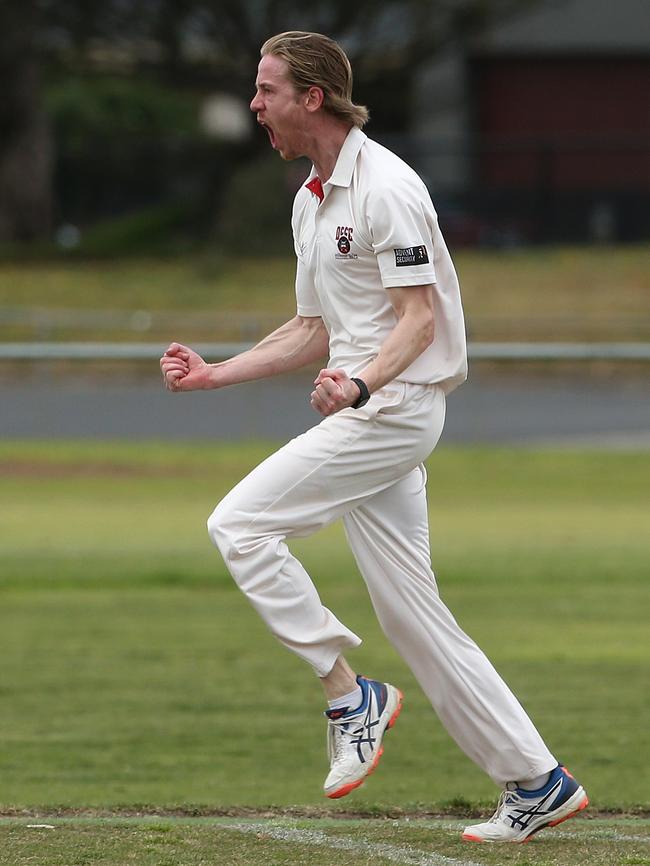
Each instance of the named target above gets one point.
<point>344,243</point>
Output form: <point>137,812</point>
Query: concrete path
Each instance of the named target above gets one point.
<point>507,410</point>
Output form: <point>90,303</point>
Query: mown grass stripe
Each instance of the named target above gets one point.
<point>578,830</point>
<point>396,853</point>
<point>582,830</point>
<point>612,835</point>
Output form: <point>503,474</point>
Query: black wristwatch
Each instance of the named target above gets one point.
<point>364,393</point>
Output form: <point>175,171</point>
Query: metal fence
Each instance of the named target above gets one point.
<point>44,351</point>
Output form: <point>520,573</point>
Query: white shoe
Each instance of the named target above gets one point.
<point>522,813</point>
<point>354,738</point>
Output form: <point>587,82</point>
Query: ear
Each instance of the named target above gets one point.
<point>314,98</point>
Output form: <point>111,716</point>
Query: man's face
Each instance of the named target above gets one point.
<point>279,107</point>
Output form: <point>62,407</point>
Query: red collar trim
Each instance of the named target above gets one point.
<point>316,187</point>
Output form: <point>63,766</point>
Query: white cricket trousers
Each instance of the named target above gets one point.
<point>365,466</point>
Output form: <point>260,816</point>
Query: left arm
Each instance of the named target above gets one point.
<point>411,335</point>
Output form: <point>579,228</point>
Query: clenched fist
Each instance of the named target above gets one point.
<point>184,370</point>
<point>334,391</point>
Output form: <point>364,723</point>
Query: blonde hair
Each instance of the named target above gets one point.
<point>315,60</point>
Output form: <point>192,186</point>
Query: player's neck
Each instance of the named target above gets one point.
<point>325,147</point>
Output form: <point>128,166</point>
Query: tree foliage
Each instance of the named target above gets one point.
<point>214,43</point>
<point>222,37</point>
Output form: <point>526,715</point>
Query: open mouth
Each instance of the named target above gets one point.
<point>270,133</point>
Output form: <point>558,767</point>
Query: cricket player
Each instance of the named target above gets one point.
<point>377,295</point>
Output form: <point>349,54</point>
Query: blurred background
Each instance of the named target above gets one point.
<point>139,203</point>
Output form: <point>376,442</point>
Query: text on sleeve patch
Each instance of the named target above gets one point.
<point>411,256</point>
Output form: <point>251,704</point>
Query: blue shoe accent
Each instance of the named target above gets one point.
<point>354,736</point>
<point>567,788</point>
<point>551,796</point>
<point>522,813</point>
<point>380,690</point>
<point>362,682</point>
<point>381,694</point>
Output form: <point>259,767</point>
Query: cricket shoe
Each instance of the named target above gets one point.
<point>354,737</point>
<point>522,813</point>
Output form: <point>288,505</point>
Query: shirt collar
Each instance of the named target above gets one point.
<point>342,174</point>
<point>346,160</point>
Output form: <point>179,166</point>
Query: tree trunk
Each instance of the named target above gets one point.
<point>25,137</point>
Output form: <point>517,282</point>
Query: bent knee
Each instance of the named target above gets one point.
<point>221,529</point>
<point>238,534</point>
<point>232,532</point>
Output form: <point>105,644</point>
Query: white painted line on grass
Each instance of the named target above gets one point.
<point>611,835</point>
<point>398,854</point>
<point>583,829</point>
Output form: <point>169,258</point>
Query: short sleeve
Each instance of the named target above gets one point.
<point>402,223</point>
<point>307,303</point>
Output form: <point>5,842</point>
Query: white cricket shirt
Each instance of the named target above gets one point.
<point>375,229</point>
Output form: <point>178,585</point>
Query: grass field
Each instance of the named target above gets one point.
<point>540,293</point>
<point>134,676</point>
<point>164,841</point>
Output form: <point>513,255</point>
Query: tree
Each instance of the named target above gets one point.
<point>25,139</point>
<point>215,42</point>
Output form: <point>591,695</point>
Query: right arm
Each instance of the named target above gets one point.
<point>301,341</point>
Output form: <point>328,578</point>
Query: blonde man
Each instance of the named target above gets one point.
<point>377,293</point>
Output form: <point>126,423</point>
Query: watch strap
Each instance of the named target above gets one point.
<point>364,393</point>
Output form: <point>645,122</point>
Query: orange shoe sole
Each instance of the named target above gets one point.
<point>583,805</point>
<point>345,790</point>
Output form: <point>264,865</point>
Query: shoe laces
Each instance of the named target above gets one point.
<point>507,799</point>
<point>339,734</point>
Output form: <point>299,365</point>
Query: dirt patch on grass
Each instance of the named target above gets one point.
<point>394,813</point>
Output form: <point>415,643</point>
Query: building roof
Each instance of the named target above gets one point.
<point>570,26</point>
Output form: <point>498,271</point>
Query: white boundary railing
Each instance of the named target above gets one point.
<point>220,351</point>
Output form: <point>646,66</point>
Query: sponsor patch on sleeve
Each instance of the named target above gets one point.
<point>411,256</point>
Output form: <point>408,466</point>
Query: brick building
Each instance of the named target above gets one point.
<point>540,130</point>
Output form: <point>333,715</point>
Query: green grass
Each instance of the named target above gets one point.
<point>133,672</point>
<point>162,841</point>
<point>541,293</point>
